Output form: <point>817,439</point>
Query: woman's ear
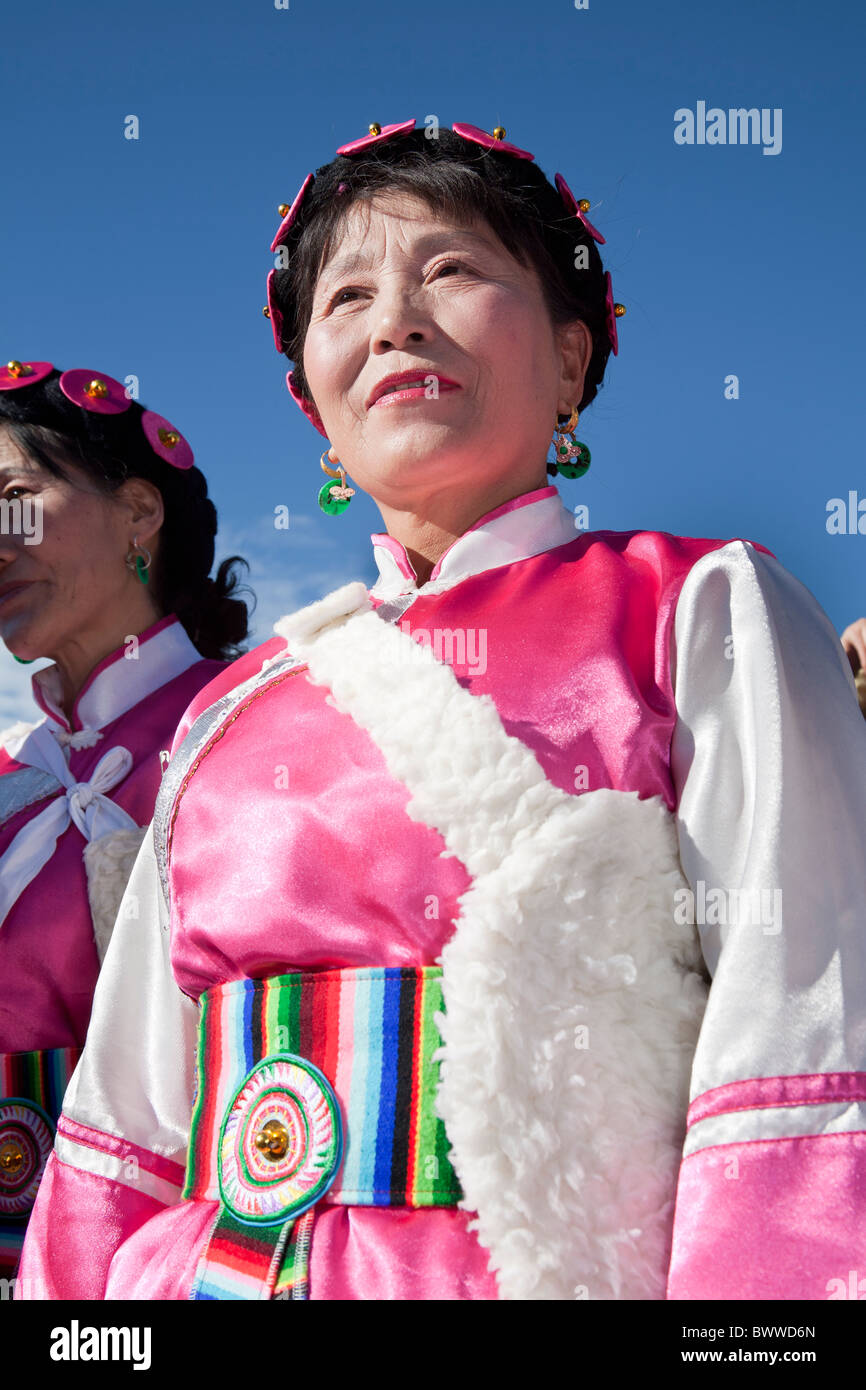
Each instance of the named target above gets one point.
<point>142,507</point>
<point>575,345</point>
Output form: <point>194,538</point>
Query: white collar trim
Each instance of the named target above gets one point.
<point>526,526</point>
<point>122,679</point>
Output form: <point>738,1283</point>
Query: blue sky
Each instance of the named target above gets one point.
<point>149,257</point>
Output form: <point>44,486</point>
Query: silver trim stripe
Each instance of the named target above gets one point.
<point>23,788</point>
<point>199,734</point>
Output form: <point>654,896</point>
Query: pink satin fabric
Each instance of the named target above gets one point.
<point>383,1253</point>
<point>48,960</point>
<point>292,848</point>
<point>113,1212</point>
<point>762,1233</point>
<point>577,664</point>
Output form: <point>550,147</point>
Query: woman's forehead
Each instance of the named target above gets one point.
<point>11,454</point>
<point>421,227</point>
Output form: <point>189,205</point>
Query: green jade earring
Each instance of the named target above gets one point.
<point>571,457</point>
<point>334,497</point>
<point>139,559</point>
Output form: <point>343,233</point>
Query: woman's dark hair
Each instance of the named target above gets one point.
<point>459,179</point>
<point>111,449</point>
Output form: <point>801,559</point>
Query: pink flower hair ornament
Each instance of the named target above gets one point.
<point>577,209</point>
<point>166,441</point>
<point>15,374</point>
<point>377,134</point>
<point>273,313</point>
<point>289,214</point>
<point>102,395</point>
<point>496,141</point>
<point>612,312</point>
<point>94,391</point>
<point>306,406</point>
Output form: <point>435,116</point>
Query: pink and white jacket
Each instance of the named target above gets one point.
<point>75,798</point>
<point>616,764</point>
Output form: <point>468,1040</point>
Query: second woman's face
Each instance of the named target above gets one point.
<point>69,577</point>
<point>406,291</point>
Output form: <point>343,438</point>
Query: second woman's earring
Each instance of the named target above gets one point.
<point>571,458</point>
<point>138,559</point>
<point>334,497</point>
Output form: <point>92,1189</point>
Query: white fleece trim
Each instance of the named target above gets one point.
<point>568,1154</point>
<point>308,621</point>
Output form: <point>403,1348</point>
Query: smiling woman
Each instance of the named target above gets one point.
<point>432,1023</point>
<point>113,585</point>
<point>494,317</point>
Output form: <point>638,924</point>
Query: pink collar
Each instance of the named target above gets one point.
<point>120,680</point>
<point>527,525</point>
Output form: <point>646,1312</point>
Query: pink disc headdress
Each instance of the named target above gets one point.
<point>496,141</point>
<point>94,391</point>
<point>166,441</point>
<point>102,395</point>
<point>290,214</point>
<point>574,207</point>
<point>610,312</point>
<point>15,374</point>
<point>377,135</point>
<point>274,314</point>
<point>306,406</point>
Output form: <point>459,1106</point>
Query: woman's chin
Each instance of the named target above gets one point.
<point>417,441</point>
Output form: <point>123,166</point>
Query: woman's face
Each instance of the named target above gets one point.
<point>73,581</point>
<point>405,290</point>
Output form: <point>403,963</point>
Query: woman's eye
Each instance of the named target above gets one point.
<point>339,296</point>
<point>16,487</point>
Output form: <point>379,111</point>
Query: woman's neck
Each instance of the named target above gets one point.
<point>426,537</point>
<point>81,652</point>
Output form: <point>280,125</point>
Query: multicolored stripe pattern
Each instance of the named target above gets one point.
<point>248,1262</point>
<point>38,1078</point>
<point>372,1033</point>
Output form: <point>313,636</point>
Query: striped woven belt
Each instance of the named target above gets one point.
<point>311,1087</point>
<point>32,1087</point>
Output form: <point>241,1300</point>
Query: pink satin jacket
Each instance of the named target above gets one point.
<point>695,671</point>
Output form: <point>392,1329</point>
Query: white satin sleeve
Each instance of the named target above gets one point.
<point>119,1154</point>
<point>135,1078</point>
<point>769,764</point>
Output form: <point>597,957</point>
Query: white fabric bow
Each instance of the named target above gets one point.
<point>85,804</point>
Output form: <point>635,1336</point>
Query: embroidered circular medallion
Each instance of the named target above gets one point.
<point>26,1136</point>
<point>281,1141</point>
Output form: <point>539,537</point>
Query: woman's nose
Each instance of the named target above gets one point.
<point>400,318</point>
